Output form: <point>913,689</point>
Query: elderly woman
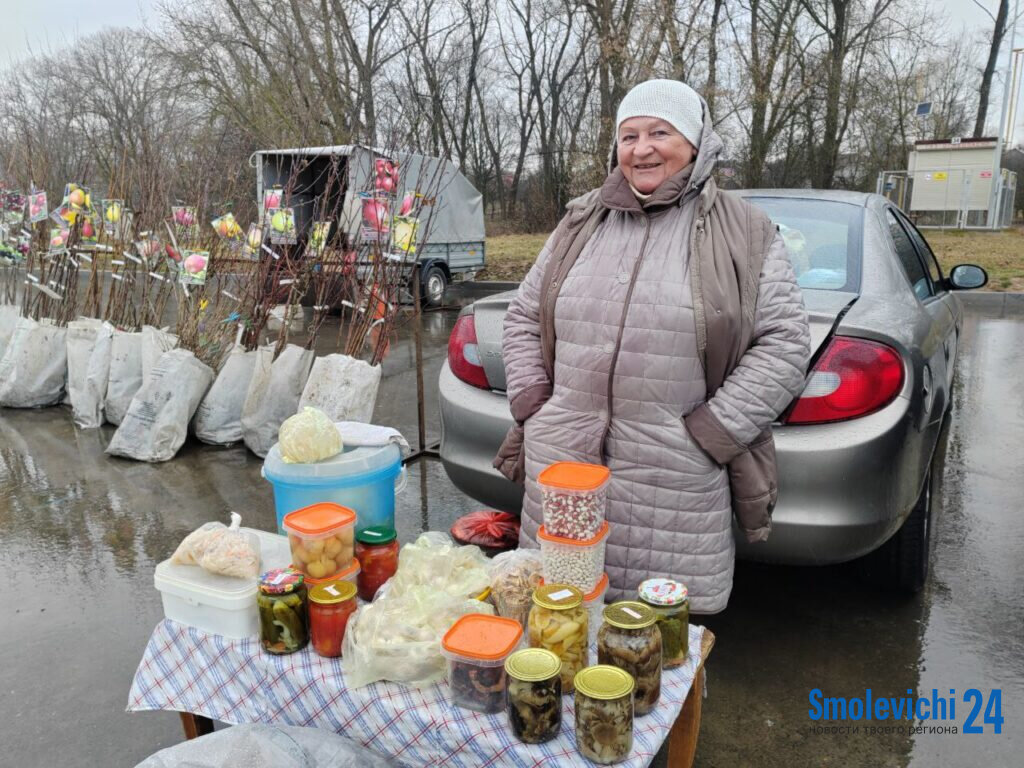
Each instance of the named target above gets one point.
<point>659,333</point>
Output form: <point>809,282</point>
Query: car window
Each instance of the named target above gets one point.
<point>927,256</point>
<point>908,257</point>
<point>823,238</point>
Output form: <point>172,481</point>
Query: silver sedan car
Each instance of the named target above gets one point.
<point>855,449</point>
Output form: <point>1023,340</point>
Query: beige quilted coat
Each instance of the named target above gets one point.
<point>626,373</point>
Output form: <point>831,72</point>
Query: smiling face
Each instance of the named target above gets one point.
<point>650,150</point>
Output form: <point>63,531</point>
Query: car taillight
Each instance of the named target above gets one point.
<point>464,354</point>
<point>853,378</point>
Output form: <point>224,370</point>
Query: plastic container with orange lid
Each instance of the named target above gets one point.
<point>574,496</point>
<point>579,563</point>
<point>322,539</point>
<point>476,647</point>
<point>349,574</point>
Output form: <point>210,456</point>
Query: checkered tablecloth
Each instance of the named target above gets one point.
<point>187,670</point>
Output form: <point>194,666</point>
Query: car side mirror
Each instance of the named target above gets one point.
<point>966,277</point>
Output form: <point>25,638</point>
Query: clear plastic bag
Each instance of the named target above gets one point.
<point>220,549</point>
<point>514,576</point>
<point>308,437</point>
<point>434,561</point>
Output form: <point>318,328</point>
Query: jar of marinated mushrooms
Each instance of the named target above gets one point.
<point>604,714</point>
<point>534,696</point>
<point>671,604</point>
<point>558,623</point>
<point>629,640</point>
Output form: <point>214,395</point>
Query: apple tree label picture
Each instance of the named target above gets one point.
<point>228,229</point>
<point>184,219</point>
<point>89,232</point>
<point>253,241</point>
<point>272,198</point>
<point>193,267</point>
<point>113,216</point>
<point>37,207</point>
<point>14,208</point>
<point>282,226</point>
<point>77,197</point>
<point>58,239</point>
<point>385,175</point>
<point>318,235</point>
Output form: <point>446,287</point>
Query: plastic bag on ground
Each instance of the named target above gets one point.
<point>87,383</point>
<point>156,424</point>
<point>264,412</point>
<point>125,374</point>
<point>308,437</point>
<point>33,371</point>
<point>9,314</point>
<point>221,549</point>
<point>153,345</point>
<point>343,387</point>
<point>219,418</point>
<point>267,746</point>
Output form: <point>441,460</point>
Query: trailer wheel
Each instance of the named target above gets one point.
<point>435,283</point>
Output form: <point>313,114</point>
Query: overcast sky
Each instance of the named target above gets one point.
<point>35,24</point>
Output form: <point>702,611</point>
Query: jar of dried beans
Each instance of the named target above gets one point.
<point>573,498</point>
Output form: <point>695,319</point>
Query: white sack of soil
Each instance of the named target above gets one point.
<point>154,343</point>
<point>274,396</point>
<point>156,424</point>
<point>343,387</point>
<point>125,374</point>
<point>88,337</point>
<point>219,418</point>
<point>34,368</point>
<point>9,314</point>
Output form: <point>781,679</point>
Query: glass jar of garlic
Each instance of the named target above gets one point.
<point>558,622</point>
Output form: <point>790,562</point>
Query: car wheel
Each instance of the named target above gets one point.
<point>434,285</point>
<point>901,564</point>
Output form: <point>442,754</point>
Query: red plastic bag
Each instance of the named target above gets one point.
<point>492,531</point>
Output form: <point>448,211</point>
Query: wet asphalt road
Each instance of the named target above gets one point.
<point>80,535</point>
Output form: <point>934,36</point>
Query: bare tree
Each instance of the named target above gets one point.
<point>1000,23</point>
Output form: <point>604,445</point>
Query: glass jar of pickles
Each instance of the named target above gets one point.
<point>284,616</point>
<point>534,695</point>
<point>331,605</point>
<point>558,623</point>
<point>377,553</point>
<point>629,640</point>
<point>604,713</point>
<point>671,604</point>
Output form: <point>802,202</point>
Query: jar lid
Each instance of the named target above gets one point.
<point>317,519</point>
<point>603,681</point>
<point>629,614</point>
<point>662,592</point>
<point>479,636</point>
<point>280,581</point>
<point>574,476</point>
<point>332,592</point>
<point>557,597</point>
<point>376,534</point>
<point>542,533</point>
<point>532,665</point>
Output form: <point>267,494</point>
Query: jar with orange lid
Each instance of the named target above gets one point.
<point>476,647</point>
<point>377,553</point>
<point>574,498</point>
<point>558,622</point>
<point>322,539</point>
<point>331,605</point>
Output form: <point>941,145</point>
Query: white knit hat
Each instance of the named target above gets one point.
<point>669,100</point>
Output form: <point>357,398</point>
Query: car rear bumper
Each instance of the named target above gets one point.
<point>843,488</point>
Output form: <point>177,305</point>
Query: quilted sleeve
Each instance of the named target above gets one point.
<point>769,374</point>
<point>527,382</point>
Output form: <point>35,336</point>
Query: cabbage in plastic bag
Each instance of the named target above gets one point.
<point>220,549</point>
<point>308,437</point>
<point>433,560</point>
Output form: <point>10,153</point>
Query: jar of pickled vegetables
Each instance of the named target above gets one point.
<point>629,640</point>
<point>377,553</point>
<point>558,622</point>
<point>534,695</point>
<point>604,714</point>
<point>671,604</point>
<point>330,607</point>
<point>284,616</point>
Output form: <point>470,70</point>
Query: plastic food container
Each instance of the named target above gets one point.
<point>476,647</point>
<point>671,604</point>
<point>350,574</point>
<point>630,640</point>
<point>365,479</point>
<point>377,552</point>
<point>322,538</point>
<point>558,623</point>
<point>604,714</point>
<point>574,497</point>
<point>534,700</point>
<point>220,605</point>
<point>284,613</point>
<point>571,561</point>
<point>330,607</point>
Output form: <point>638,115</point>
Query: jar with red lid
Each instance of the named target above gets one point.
<point>330,607</point>
<point>377,552</point>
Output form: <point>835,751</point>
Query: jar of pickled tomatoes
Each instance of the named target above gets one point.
<point>331,605</point>
<point>377,552</point>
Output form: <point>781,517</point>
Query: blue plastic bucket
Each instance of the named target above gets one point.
<point>364,479</point>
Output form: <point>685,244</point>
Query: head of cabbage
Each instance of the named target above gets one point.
<point>308,436</point>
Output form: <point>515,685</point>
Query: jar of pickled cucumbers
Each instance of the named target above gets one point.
<point>604,714</point>
<point>629,640</point>
<point>671,603</point>
<point>558,622</point>
<point>284,614</point>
